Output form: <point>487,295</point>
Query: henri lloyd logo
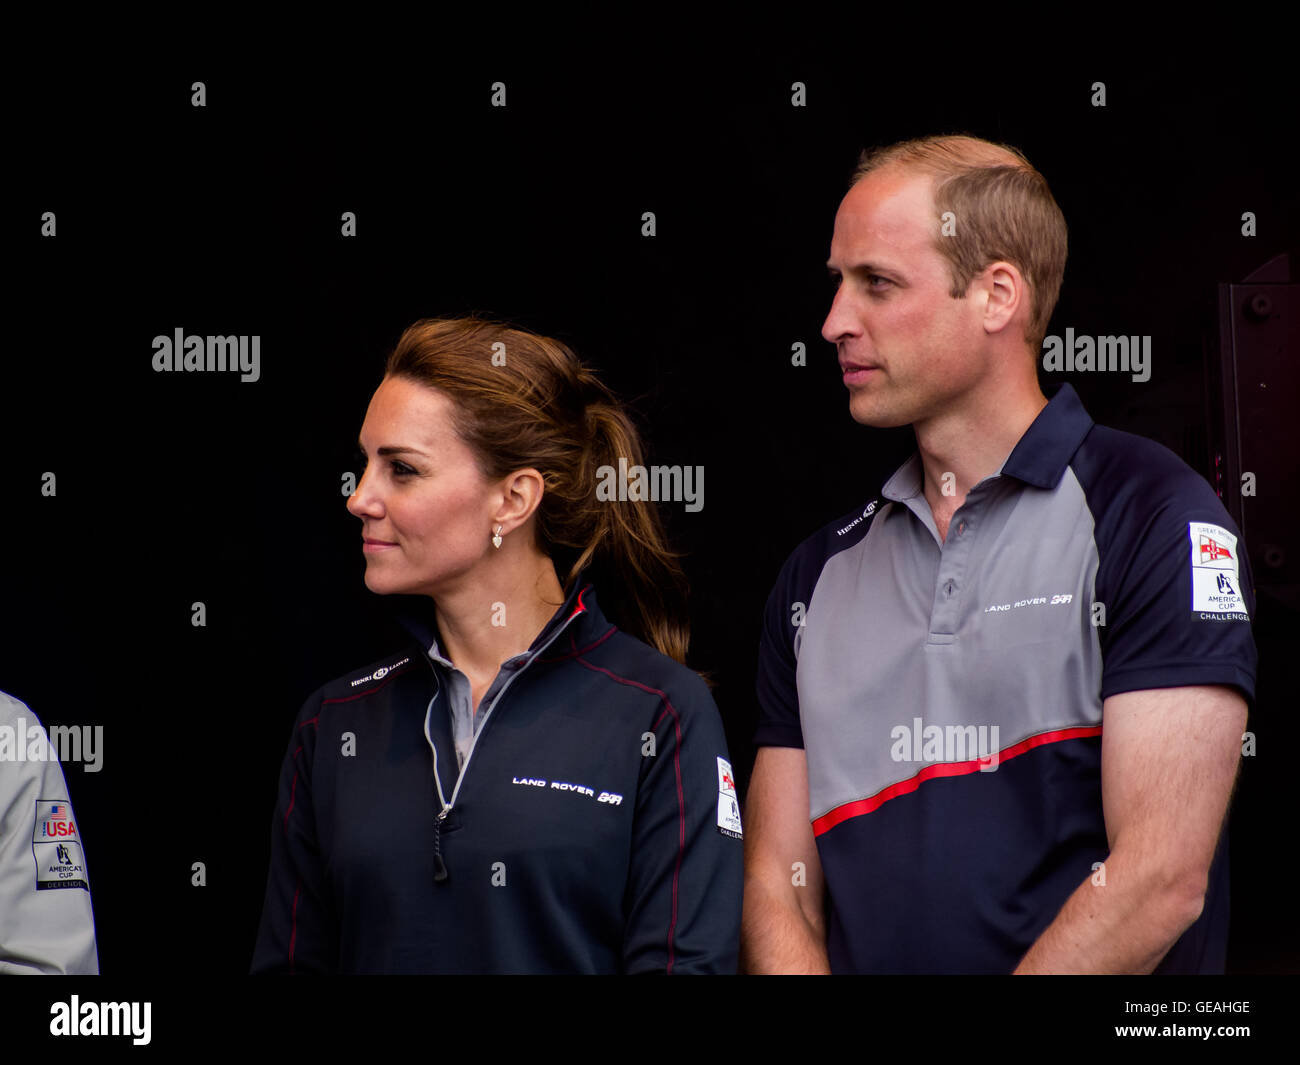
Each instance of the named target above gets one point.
<point>1216,585</point>
<point>866,513</point>
<point>380,673</point>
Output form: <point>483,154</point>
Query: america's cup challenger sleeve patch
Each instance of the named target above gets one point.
<point>728,807</point>
<point>1216,582</point>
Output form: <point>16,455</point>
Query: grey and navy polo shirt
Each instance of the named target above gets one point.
<point>948,693</point>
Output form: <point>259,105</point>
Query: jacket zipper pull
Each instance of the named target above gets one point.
<point>439,866</point>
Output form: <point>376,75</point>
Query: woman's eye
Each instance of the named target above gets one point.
<point>398,469</point>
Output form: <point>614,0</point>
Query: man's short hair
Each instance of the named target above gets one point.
<point>1002,209</point>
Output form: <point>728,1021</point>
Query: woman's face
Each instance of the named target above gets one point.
<point>425,509</point>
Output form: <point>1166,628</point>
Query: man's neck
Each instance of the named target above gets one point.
<point>962,446</point>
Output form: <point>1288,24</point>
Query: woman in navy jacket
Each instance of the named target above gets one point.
<point>524,787</point>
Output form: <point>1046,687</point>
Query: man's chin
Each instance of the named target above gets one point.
<point>871,414</point>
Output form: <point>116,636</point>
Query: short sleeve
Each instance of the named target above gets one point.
<point>778,697</point>
<point>1179,600</point>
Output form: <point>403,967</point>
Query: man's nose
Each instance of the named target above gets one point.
<point>839,319</point>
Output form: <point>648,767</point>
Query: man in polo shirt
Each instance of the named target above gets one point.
<point>1002,702</point>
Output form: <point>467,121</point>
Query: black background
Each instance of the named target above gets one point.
<point>176,488</point>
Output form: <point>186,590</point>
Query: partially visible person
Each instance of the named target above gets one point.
<point>46,922</point>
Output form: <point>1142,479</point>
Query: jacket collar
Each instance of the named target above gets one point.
<point>416,615</point>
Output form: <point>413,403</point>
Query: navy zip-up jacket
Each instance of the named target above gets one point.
<point>594,827</point>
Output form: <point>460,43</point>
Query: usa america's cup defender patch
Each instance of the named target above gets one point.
<point>57,847</point>
<point>1216,583</point>
<point>728,807</point>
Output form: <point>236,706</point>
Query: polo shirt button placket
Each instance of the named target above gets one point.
<point>957,559</point>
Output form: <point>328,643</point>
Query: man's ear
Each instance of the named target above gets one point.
<point>1006,295</point>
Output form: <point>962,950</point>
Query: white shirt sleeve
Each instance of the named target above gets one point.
<point>46,921</point>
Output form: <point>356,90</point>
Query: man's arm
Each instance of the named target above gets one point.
<point>783,923</point>
<point>1169,757</point>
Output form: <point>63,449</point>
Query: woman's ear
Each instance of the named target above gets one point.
<point>522,494</point>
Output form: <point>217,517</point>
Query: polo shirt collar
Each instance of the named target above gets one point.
<point>1044,452</point>
<point>1039,458</point>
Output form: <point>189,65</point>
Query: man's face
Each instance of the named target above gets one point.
<point>425,508</point>
<point>906,348</point>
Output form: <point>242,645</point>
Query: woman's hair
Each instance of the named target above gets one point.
<point>523,400</point>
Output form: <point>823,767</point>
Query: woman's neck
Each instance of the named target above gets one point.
<point>497,612</point>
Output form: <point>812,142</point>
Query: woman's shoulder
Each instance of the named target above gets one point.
<point>366,679</point>
<point>631,661</point>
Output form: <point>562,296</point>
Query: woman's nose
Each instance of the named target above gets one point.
<point>362,500</point>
